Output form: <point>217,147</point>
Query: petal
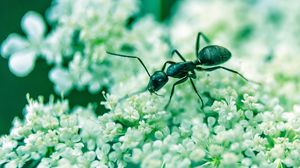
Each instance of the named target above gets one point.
<point>12,44</point>
<point>94,87</point>
<point>62,79</point>
<point>22,63</point>
<point>34,25</point>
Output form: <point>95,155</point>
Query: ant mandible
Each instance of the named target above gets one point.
<point>211,55</point>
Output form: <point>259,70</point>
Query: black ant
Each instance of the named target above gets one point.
<point>211,55</point>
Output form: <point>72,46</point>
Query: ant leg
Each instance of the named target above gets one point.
<point>173,88</point>
<point>227,69</point>
<point>128,56</point>
<point>198,41</point>
<point>165,64</point>
<point>195,89</point>
<point>178,53</point>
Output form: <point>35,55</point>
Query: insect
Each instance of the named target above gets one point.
<point>208,59</point>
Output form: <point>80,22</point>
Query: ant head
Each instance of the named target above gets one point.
<point>157,81</point>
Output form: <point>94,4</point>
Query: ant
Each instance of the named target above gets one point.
<point>210,56</point>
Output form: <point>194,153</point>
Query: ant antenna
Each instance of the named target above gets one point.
<point>128,56</point>
<point>132,94</point>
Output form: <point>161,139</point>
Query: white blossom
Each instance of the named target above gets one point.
<point>23,52</point>
<point>242,124</point>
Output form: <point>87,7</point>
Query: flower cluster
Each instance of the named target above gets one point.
<point>242,127</point>
<point>77,43</point>
<point>242,124</point>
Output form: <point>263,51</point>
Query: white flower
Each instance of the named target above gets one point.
<point>197,155</point>
<point>23,52</point>
<point>277,151</point>
<point>229,159</point>
<point>62,78</point>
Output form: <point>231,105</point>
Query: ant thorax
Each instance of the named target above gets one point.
<point>181,69</point>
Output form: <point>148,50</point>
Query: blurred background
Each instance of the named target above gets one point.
<point>264,34</point>
<point>13,89</point>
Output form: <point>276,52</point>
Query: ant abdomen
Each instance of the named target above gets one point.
<point>213,55</point>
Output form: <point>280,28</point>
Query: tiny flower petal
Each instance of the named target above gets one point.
<point>61,78</point>
<point>12,44</point>
<point>22,63</point>
<point>34,25</point>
